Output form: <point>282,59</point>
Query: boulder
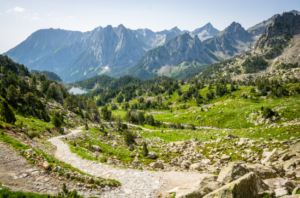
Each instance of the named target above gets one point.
<point>195,167</point>
<point>206,161</point>
<point>277,183</point>
<point>263,172</point>
<point>281,191</point>
<point>229,137</point>
<point>291,163</point>
<point>96,148</point>
<point>152,155</point>
<point>232,172</point>
<point>290,174</point>
<point>247,186</point>
<point>185,164</point>
<point>198,117</point>
<point>225,157</point>
<point>198,189</point>
<point>158,164</point>
<point>131,147</point>
<point>46,165</point>
<point>288,155</point>
<point>115,144</point>
<point>269,156</point>
<point>295,147</point>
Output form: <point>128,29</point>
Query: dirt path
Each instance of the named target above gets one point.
<point>153,130</point>
<point>17,174</point>
<point>135,183</point>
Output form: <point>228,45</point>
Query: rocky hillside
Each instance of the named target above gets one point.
<point>166,59</point>
<point>276,54</point>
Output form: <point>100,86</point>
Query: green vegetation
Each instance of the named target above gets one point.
<point>48,74</point>
<point>7,193</point>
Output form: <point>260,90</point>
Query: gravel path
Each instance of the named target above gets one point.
<point>135,183</point>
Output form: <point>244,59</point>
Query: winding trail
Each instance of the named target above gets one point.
<point>135,183</point>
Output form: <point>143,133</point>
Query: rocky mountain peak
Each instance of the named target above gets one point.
<point>280,30</point>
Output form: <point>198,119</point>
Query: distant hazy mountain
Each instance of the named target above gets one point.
<point>41,43</point>
<point>52,49</point>
<point>233,40</point>
<point>173,57</point>
<point>205,32</point>
<point>76,55</point>
<point>113,52</point>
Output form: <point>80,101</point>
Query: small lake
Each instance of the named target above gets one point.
<point>76,90</point>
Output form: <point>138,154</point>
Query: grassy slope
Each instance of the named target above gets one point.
<point>235,112</point>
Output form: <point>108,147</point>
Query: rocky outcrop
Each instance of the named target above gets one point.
<point>232,172</point>
<point>280,31</point>
<point>198,189</point>
<point>263,172</point>
<point>247,186</point>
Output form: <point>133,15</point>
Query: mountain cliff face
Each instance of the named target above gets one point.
<point>166,59</point>
<point>113,52</point>
<point>205,32</point>
<point>231,41</point>
<point>280,31</point>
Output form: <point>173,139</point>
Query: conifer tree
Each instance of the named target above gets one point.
<point>145,149</point>
<point>56,120</point>
<point>7,113</point>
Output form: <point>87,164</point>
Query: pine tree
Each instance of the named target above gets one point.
<point>7,113</point>
<point>56,121</point>
<point>12,95</point>
<point>145,149</point>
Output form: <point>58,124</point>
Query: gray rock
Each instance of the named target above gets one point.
<point>263,172</point>
<point>277,183</point>
<point>185,164</point>
<point>229,137</point>
<point>158,164</point>
<point>232,172</point>
<point>96,148</point>
<point>152,155</point>
<point>247,186</point>
<point>195,167</point>
<point>198,189</point>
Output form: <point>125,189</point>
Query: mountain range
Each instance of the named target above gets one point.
<point>116,51</point>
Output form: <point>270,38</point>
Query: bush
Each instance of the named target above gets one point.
<point>56,120</point>
<point>32,134</point>
<point>145,149</point>
<point>129,137</point>
<point>103,159</point>
<point>267,113</point>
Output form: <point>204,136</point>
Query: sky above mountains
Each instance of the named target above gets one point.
<point>19,18</point>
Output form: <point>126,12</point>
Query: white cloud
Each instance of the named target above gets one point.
<point>35,18</point>
<point>71,17</point>
<point>16,9</point>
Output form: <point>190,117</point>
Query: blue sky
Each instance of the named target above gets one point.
<point>20,18</point>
